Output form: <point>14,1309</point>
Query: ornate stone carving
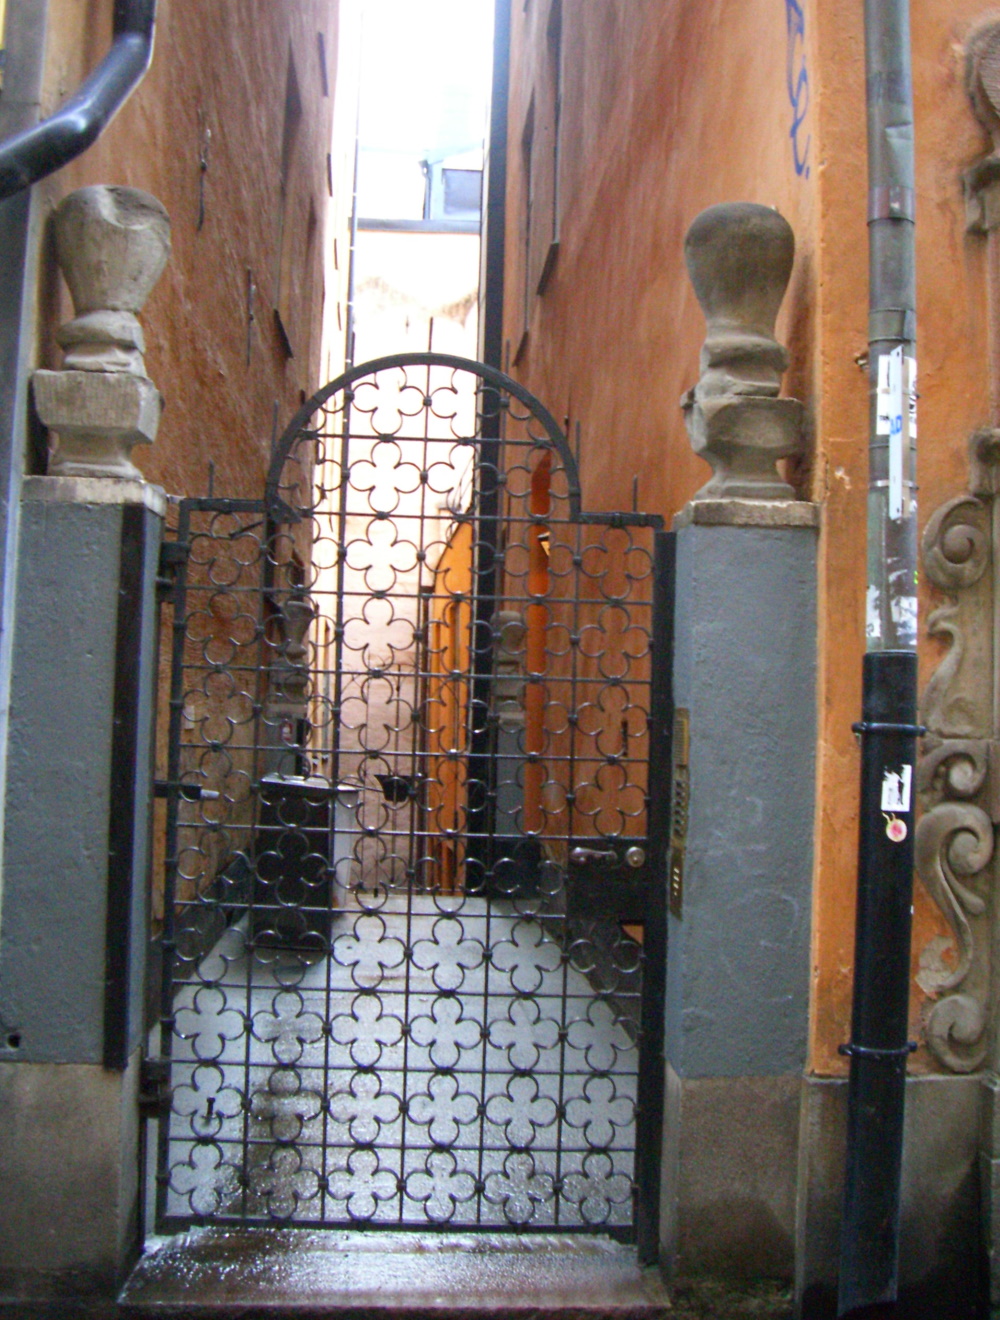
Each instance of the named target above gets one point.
<point>958,775</point>
<point>739,257</point>
<point>981,181</point>
<point>112,245</point>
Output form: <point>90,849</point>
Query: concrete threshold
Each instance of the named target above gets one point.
<point>249,1273</point>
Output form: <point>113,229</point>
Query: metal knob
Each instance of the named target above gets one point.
<point>636,857</point>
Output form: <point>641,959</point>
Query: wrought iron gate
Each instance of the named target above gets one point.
<point>413,921</point>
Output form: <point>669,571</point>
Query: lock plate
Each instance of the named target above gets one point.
<point>609,878</point>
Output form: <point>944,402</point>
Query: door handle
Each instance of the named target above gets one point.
<point>580,856</point>
<point>634,857</point>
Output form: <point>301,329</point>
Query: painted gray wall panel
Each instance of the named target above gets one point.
<point>745,666</point>
<point>53,934</point>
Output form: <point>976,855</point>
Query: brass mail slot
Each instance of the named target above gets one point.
<point>680,788</point>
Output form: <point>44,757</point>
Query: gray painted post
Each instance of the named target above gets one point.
<point>78,798</point>
<point>745,673</point>
<point>737,999</point>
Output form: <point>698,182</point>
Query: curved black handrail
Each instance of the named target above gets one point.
<point>44,148</point>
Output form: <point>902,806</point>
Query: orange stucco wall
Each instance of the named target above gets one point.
<point>218,69</point>
<point>669,107</point>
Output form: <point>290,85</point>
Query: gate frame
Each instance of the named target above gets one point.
<point>649,1108</point>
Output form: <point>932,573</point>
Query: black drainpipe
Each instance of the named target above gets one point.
<point>46,147</point>
<point>869,1254</point>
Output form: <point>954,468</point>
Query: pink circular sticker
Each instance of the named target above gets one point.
<point>896,829</point>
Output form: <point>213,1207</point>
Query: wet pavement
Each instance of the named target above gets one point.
<point>350,1275</point>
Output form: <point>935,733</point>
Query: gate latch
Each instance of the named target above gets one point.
<point>154,1088</point>
<point>172,555</point>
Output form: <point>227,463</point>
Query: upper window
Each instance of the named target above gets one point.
<point>451,190</point>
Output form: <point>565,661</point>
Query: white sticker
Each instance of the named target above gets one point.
<point>904,617</point>
<point>883,398</point>
<point>911,394</point>
<point>873,622</point>
<point>895,413</point>
<point>896,789</point>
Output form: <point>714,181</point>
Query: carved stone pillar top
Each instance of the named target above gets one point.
<point>112,245</point>
<point>739,256</point>
<point>981,181</point>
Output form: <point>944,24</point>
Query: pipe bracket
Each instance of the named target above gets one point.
<point>898,324</point>
<point>892,202</point>
<point>876,726</point>
<point>873,1052</point>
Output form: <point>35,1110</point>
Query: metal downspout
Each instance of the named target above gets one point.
<point>878,1050</point>
<point>44,148</point>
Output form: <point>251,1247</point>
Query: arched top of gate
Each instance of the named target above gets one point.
<point>506,388</point>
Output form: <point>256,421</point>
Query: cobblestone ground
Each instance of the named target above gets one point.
<point>707,1299</point>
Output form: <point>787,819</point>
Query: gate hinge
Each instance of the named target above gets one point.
<point>172,555</point>
<point>154,1087</point>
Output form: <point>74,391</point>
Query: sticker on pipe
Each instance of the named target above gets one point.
<point>896,417</point>
<point>895,828</point>
<point>896,789</point>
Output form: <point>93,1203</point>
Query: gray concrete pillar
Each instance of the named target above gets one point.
<point>737,1001</point>
<point>79,791</point>
<point>74,927</point>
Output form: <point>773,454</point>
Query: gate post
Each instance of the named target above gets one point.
<point>740,864</point>
<point>73,920</point>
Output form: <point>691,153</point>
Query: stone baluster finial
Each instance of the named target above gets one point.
<point>112,245</point>
<point>981,181</point>
<point>297,614</point>
<point>509,634</point>
<point>739,256</point>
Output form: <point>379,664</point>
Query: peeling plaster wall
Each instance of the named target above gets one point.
<point>667,108</point>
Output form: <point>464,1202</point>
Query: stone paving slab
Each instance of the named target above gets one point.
<point>350,1276</point>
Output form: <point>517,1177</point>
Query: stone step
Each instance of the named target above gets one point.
<point>364,1275</point>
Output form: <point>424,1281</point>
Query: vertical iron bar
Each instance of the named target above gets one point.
<point>480,776</point>
<point>493,213</point>
<point>571,815</point>
<point>168,944</point>
<point>121,832</point>
<point>649,1108</point>
<point>265,591</point>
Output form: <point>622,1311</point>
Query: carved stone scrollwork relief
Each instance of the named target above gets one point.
<point>958,776</point>
<point>981,182</point>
